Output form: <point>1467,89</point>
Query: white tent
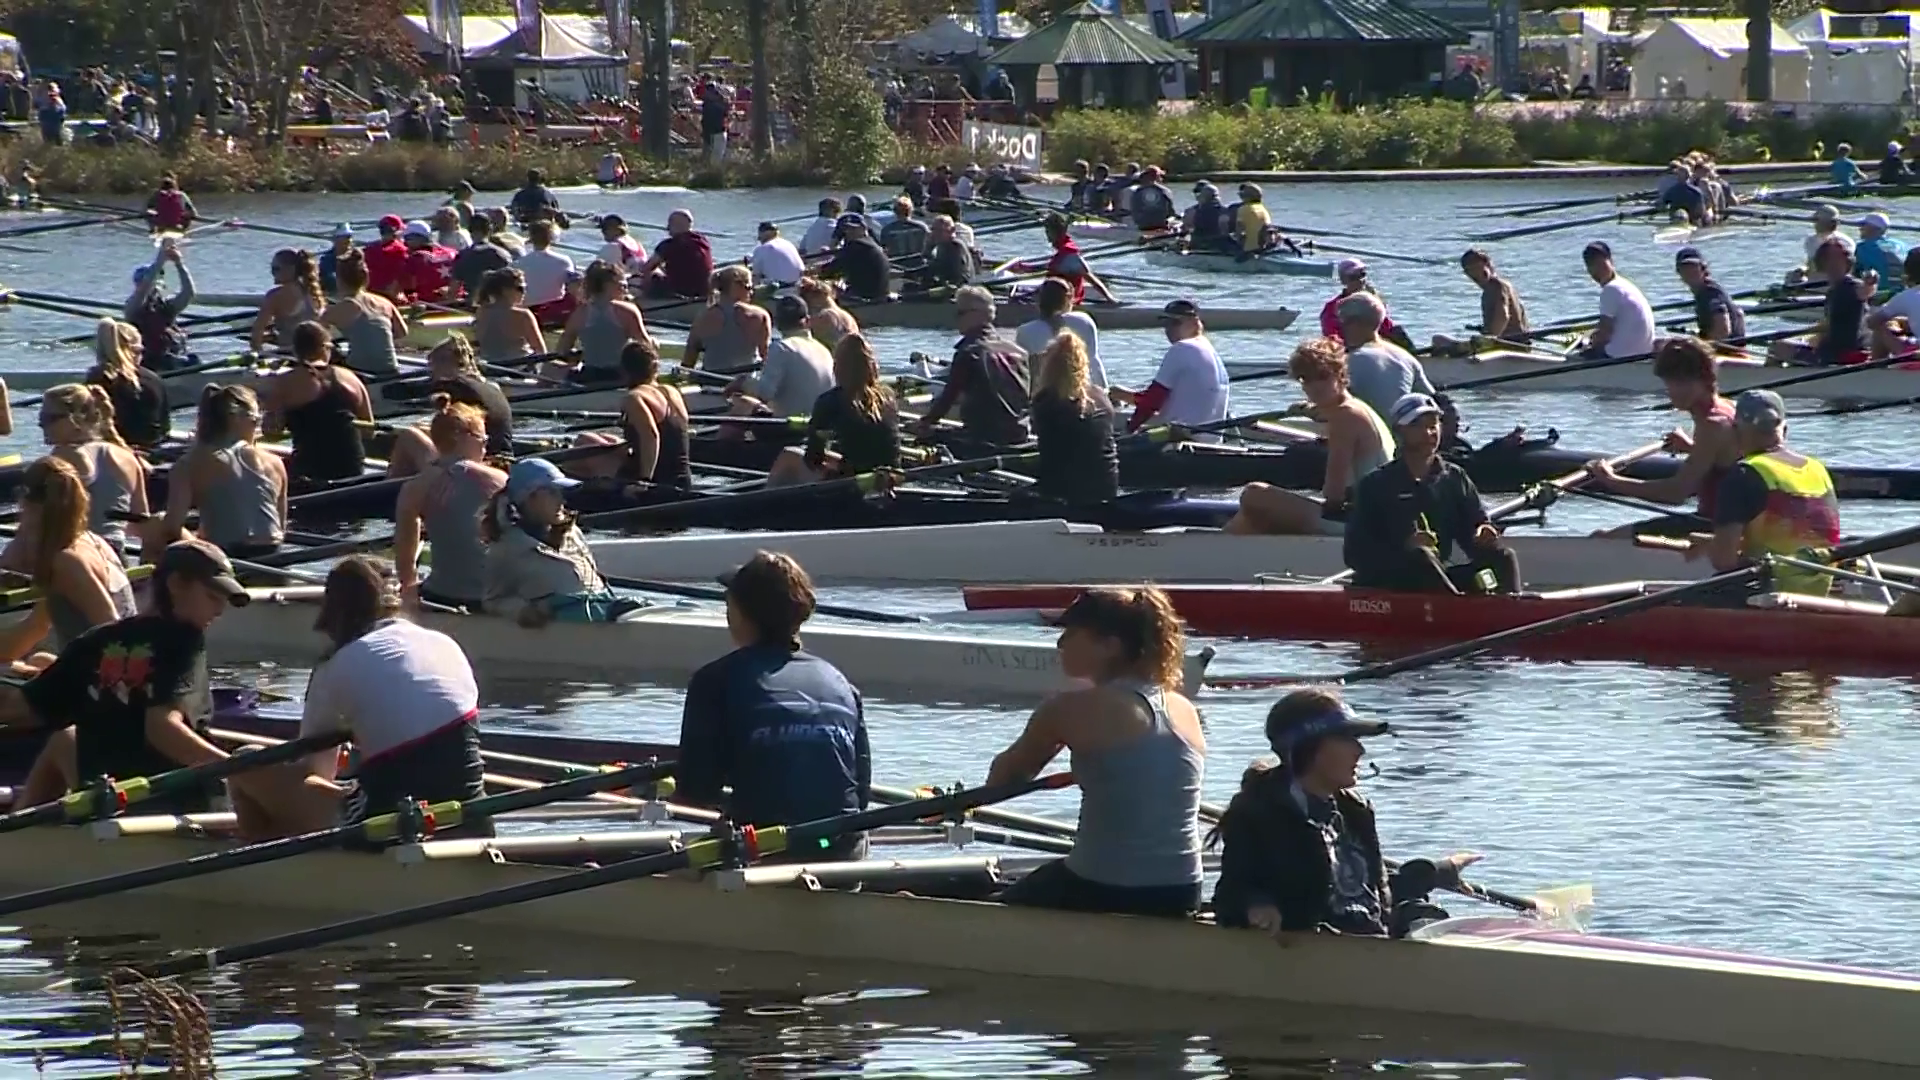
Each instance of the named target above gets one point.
<point>1706,59</point>
<point>943,37</point>
<point>1857,60</point>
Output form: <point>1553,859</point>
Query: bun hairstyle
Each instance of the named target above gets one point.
<point>221,408</point>
<point>456,348</point>
<point>498,283</point>
<point>452,419</point>
<point>600,277</point>
<point>1152,638</point>
<point>640,362</point>
<point>351,269</point>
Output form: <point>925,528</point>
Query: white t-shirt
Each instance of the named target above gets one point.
<point>819,236</point>
<point>397,683</point>
<point>1034,335</point>
<point>1622,301</point>
<point>546,273</point>
<point>625,253</point>
<point>962,188</point>
<point>777,261</point>
<point>1813,241</point>
<point>1196,382</point>
<point>963,232</point>
<point>798,370</point>
<point>1904,304</point>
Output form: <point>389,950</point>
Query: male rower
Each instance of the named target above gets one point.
<point>1845,171</point>
<point>1687,368</point>
<point>819,237</point>
<point>774,260</point>
<point>1877,252</point>
<point>1251,222</point>
<point>682,265</point>
<point>1826,226</point>
<point>1896,324</point>
<point>905,237</point>
<point>1208,224</point>
<point>1775,502</point>
<point>1409,515</point>
<point>987,383</point>
<point>860,263</point>
<point>1718,317</point>
<point>1626,321</point>
<point>780,727</point>
<point>533,201</point>
<point>1190,388</point>
<point>1150,204</point>
<point>1502,315</point>
<point>1840,335</point>
<point>1379,371</point>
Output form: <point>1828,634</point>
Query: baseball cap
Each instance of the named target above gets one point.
<point>1341,720</point>
<point>392,223</point>
<point>464,187</point>
<point>1411,407</point>
<point>140,273</point>
<point>1599,249</point>
<point>849,220</point>
<point>418,229</point>
<point>529,475</point>
<point>789,310</point>
<point>205,563</point>
<point>767,226</point>
<point>1689,255</point>
<point>1759,408</point>
<point>1826,212</point>
<point>1205,186</point>
<point>1347,268</point>
<point>1179,309</point>
<point>1876,220</point>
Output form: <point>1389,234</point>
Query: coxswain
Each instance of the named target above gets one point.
<point>1053,313</point>
<point>1098,199</point>
<point>79,576</point>
<point>939,185</point>
<point>950,263</point>
<point>164,344</point>
<point>1877,253</point>
<point>339,242</point>
<point>1190,387</point>
<point>369,323</point>
<point>1150,206</point>
<point>1299,847</point>
<point>387,259</point>
<point>1207,223</point>
<point>408,698</point>
<point>860,262</point>
<point>1893,324</point>
<point>239,488</point>
<point>1139,758</point>
<point>1502,315</point>
<point>1080,189</point>
<point>602,325</point>
<point>905,238</point>
<point>770,733</point>
<point>775,262</point>
<point>618,247</point>
<point>915,189</point>
<point>1354,279</point>
<point>1358,442</point>
<point>113,718</point>
<point>821,231</point>
<point>461,202</point>
<point>987,385</point>
<point>797,371</point>
<point>1626,325</point>
<point>827,321</point>
<point>444,502</point>
<point>1893,168</point>
<point>1073,425</point>
<point>1252,222</point>
<point>448,232</point>
<point>854,427</point>
<point>294,299</point>
<point>534,201</point>
<point>505,329</point>
<point>1687,368</point>
<point>612,170</point>
<point>1408,516</point>
<point>539,568</point>
<point>1718,317</point>
<point>1380,371</point>
<point>1774,502</point>
<point>137,394</point>
<point>1840,337</point>
<point>481,257</point>
<point>545,273</point>
<point>321,406</point>
<point>1000,185</point>
<point>682,264</point>
<point>1844,171</point>
<point>77,423</point>
<point>169,210</point>
<point>1826,226</point>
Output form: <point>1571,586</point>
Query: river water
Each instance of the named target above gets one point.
<point>1768,811</point>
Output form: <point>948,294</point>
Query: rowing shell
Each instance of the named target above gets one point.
<point>1210,262</point>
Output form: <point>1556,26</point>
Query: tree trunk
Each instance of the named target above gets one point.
<point>800,32</point>
<point>760,117</point>
<point>656,104</point>
<point>1759,51</point>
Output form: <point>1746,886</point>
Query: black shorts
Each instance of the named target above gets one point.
<point>1052,885</point>
<point>440,767</point>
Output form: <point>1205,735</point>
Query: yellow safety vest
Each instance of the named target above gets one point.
<point>1801,514</point>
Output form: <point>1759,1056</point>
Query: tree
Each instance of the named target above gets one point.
<point>272,42</point>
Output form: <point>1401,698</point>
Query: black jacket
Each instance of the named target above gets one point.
<point>1271,854</point>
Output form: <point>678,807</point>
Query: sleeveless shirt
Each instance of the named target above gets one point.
<point>369,337</point>
<point>450,516</point>
<point>240,503</point>
<point>326,442</point>
<point>1139,805</point>
<point>726,351</point>
<point>68,622</point>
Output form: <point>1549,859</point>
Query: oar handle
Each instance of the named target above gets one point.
<point>1541,495</point>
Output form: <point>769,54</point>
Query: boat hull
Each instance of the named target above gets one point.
<point>1207,262</point>
<point>1897,383</point>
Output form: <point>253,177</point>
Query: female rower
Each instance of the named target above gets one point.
<point>321,406</point>
<point>1688,369</point>
<point>445,500</point>
<point>539,567</point>
<point>653,421</point>
<point>502,232</point>
<point>602,326</point>
<point>453,372</point>
<point>827,321</point>
<point>1074,426</point>
<point>1138,757</point>
<point>859,417</point>
<point>79,576</point>
<point>164,344</point>
<point>139,395</point>
<point>408,697</point>
<point>1358,442</point>
<point>239,488</point>
<point>294,299</point>
<point>77,422</point>
<point>504,327</point>
<point>369,322</point>
<point>1300,850</point>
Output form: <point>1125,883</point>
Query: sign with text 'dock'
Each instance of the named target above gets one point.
<point>1011,143</point>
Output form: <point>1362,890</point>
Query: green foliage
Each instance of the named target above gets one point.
<point>846,133</point>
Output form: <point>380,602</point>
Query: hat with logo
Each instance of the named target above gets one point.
<point>1759,408</point>
<point>529,475</point>
<point>342,231</point>
<point>392,223</point>
<point>202,562</point>
<point>1349,268</point>
<point>1411,407</point>
<point>418,230</point>
<point>1689,255</point>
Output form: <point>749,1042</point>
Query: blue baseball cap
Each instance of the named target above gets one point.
<point>1336,721</point>
<point>531,474</point>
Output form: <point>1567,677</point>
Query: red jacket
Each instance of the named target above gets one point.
<point>430,273</point>
<point>386,267</point>
<point>1330,321</point>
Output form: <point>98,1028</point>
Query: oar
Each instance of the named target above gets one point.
<point>1554,226</point>
<point>384,829</point>
<point>59,226</point>
<point>1377,256</point>
<point>109,798</point>
<point>1571,367</point>
<point>702,854</point>
<point>1833,372</point>
<point>1771,292</point>
<point>707,592</point>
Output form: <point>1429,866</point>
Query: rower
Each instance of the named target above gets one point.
<point>461,203</point>
<point>448,232</point>
<point>1379,371</point>
<point>987,382</point>
<point>732,334</point>
<point>857,206</point>
<point>950,263</point>
<point>1358,442</point>
<point>1299,848</point>
<point>453,370</point>
<point>1354,278</point>
<point>1000,184</point>
<point>1053,313</point>
<point>682,264</point>
<point>387,259</point>
<point>481,257</point>
<point>1080,191</point>
<point>819,237</point>
<point>1692,197</point>
<point>444,502</point>
<point>1877,253</point>
<point>111,717</point>
<point>1845,171</point>
<point>1893,168</point>
<point>505,329</point>
<point>1251,221</point>
<point>321,406</point>
<point>1775,502</point>
<point>78,576</point>
<point>1118,187</point>
<point>905,237</point>
<point>1686,366</point>
<point>860,262</point>
<point>775,261</point>
<point>137,395</point>
<point>1099,193</point>
<point>1840,336</point>
<point>238,487</point>
<point>939,185</point>
<point>1073,425</point>
<point>612,170</point>
<point>1150,207</point>
<point>1626,324</point>
<point>620,250</point>
<point>77,422</point>
<point>1718,317</point>
<point>539,567</point>
<point>964,184</point>
<point>653,425</point>
<point>827,321</point>
<point>534,201</point>
<point>797,371</point>
<point>1190,387</point>
<point>169,210</point>
<point>1826,226</point>
<point>1067,263</point>
<point>1894,323</point>
<point>1502,315</point>
<point>914,190</point>
<point>544,273</point>
<point>339,242</point>
<point>780,727</point>
<point>408,697</point>
<point>962,231</point>
<point>164,345</point>
<point>369,322</point>
<point>858,417</point>
<point>1139,758</point>
<point>503,233</point>
<point>1409,515</point>
<point>294,299</point>
<point>1208,224</point>
<point>602,326</point>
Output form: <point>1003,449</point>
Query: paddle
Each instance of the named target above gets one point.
<point>1570,367</point>
<point>384,829</point>
<point>108,798</point>
<point>703,854</point>
<point>707,592</point>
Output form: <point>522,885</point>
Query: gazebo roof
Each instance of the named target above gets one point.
<point>1280,21</point>
<point>1083,35</point>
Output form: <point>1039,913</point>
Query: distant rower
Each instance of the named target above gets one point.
<point>1626,320</point>
<point>169,209</point>
<point>1719,318</point>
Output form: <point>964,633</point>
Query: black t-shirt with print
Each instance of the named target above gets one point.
<point>104,682</point>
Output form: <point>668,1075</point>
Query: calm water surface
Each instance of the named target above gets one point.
<point>1767,811</point>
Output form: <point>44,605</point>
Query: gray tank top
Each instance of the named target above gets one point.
<point>1140,806</point>
<point>602,338</point>
<point>727,351</point>
<point>284,326</point>
<point>240,503</point>
<point>69,623</point>
<point>492,339</point>
<point>107,494</point>
<point>369,341</point>
<point>452,521</point>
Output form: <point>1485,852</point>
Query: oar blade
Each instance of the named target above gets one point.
<point>1569,907</point>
